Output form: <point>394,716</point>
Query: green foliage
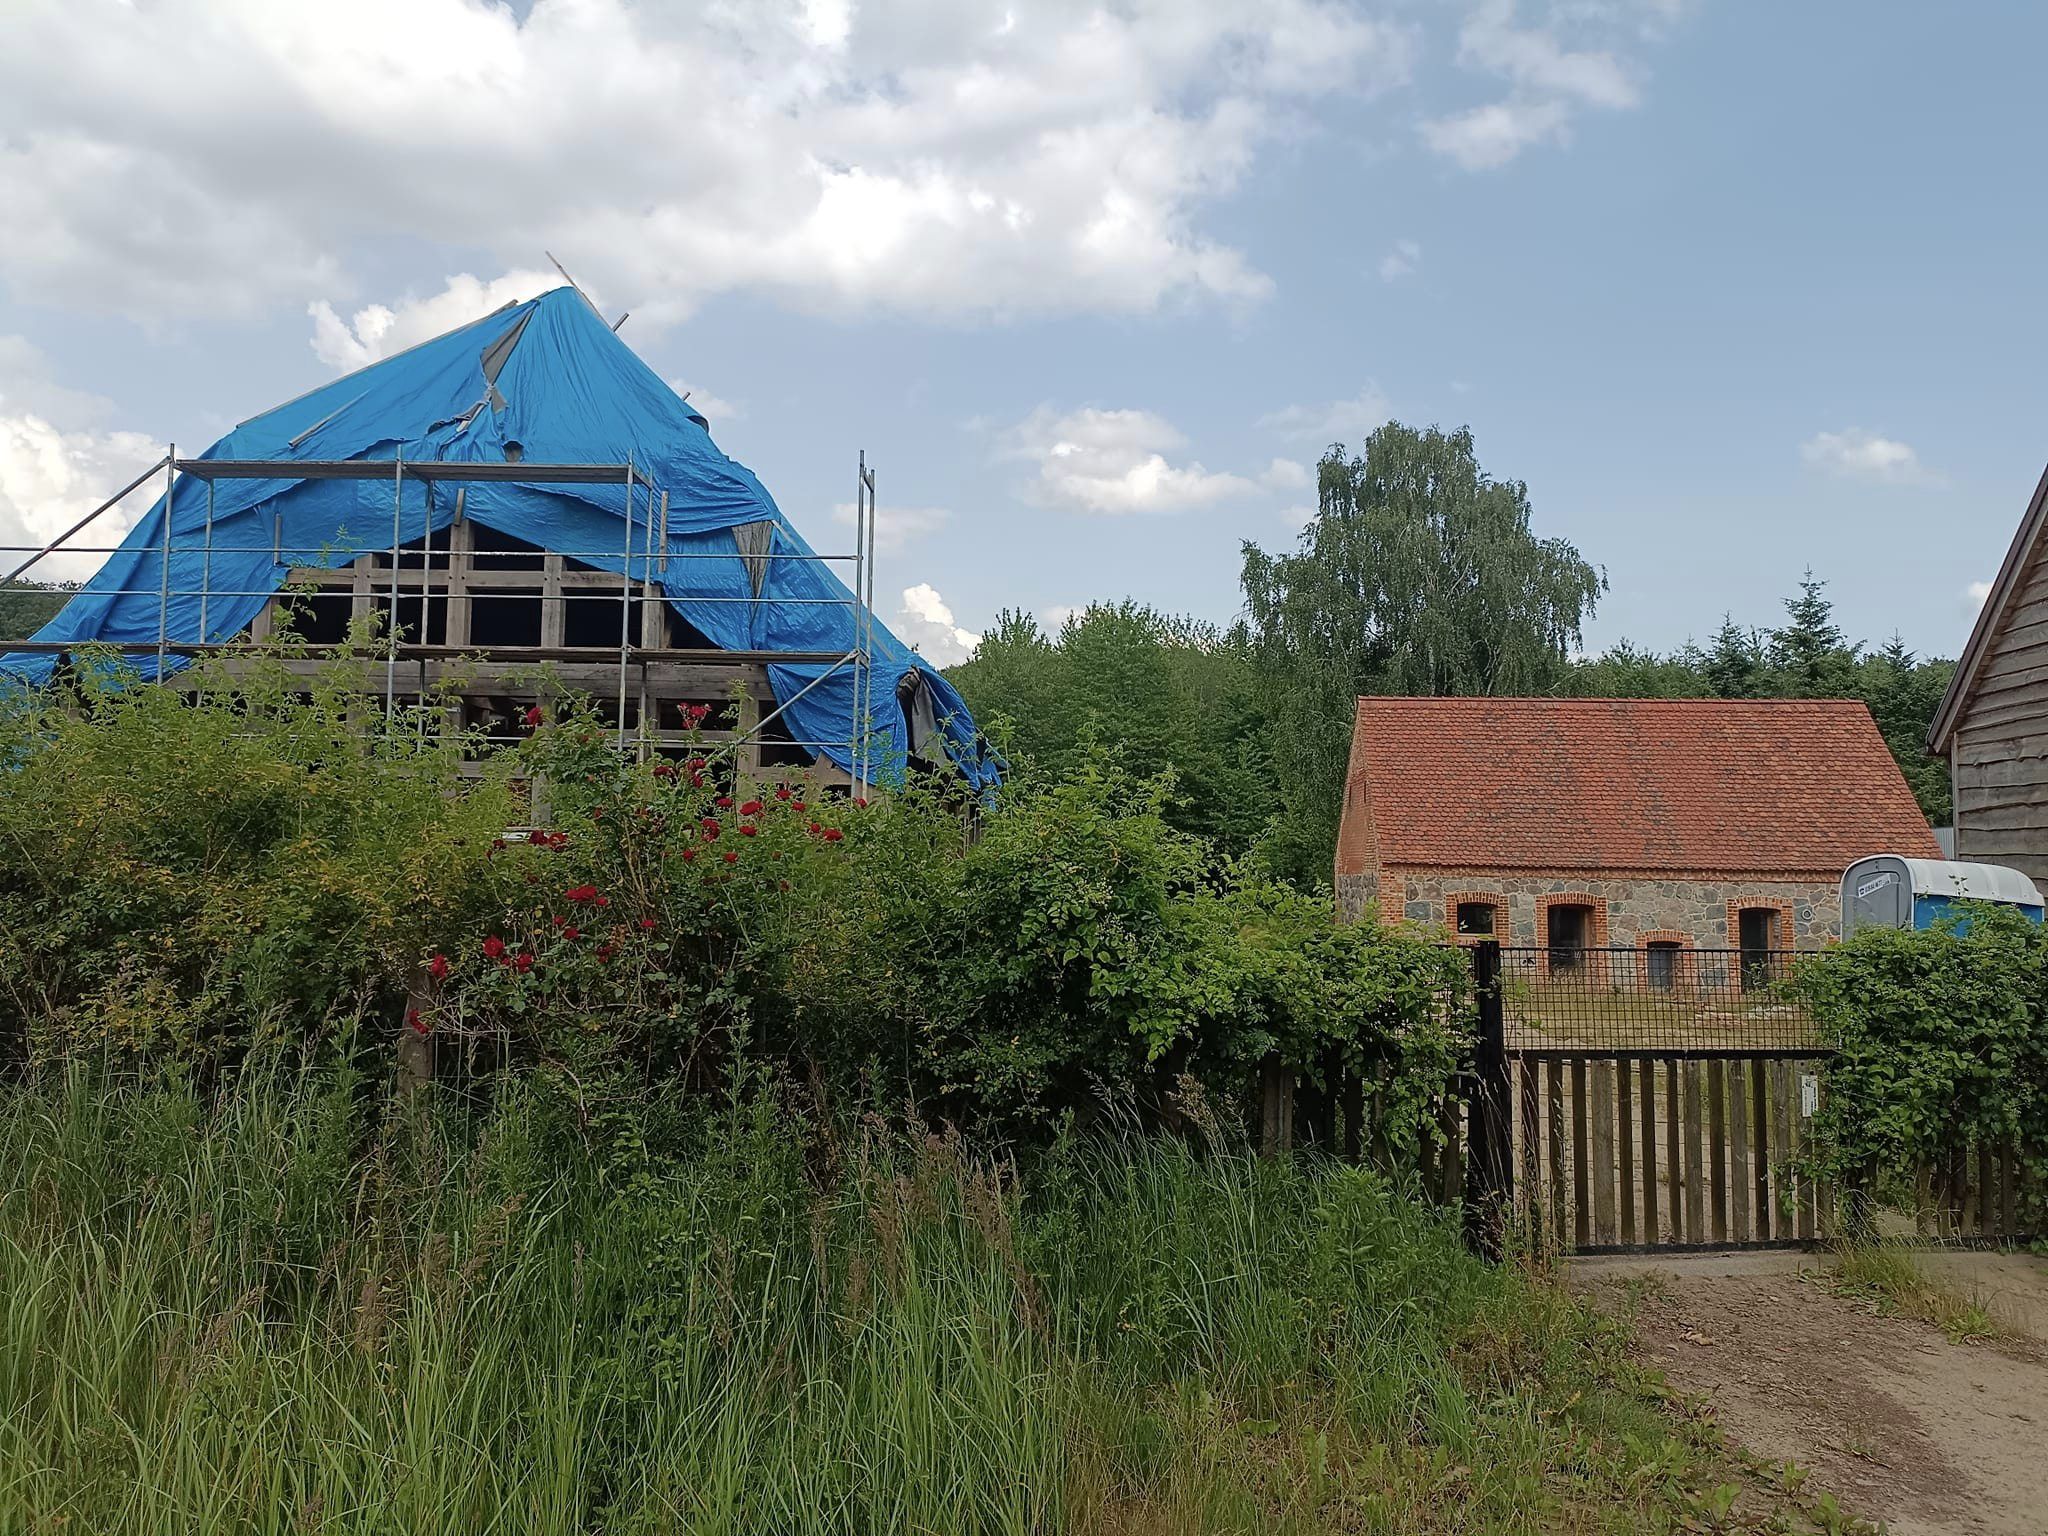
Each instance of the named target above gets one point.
<point>1941,1046</point>
<point>26,606</point>
<point>1419,575</point>
<point>1157,691</point>
<point>184,878</point>
<point>289,1306</point>
<point>1807,657</point>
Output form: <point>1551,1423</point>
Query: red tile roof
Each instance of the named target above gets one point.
<point>1709,785</point>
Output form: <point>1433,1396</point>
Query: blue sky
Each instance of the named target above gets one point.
<point>1735,289</point>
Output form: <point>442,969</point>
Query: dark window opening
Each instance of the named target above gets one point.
<point>777,745</point>
<point>1475,919</point>
<point>1571,926</point>
<point>318,618</point>
<point>497,551</point>
<point>1661,964</point>
<point>505,619</point>
<point>593,622</point>
<point>409,631</point>
<point>683,635</point>
<point>1756,933</point>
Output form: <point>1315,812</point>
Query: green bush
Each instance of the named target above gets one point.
<point>1941,1046</point>
<point>187,878</point>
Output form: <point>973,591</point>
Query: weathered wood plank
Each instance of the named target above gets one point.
<point>1605,1227</point>
<point>1646,1077</point>
<point>1624,1143</point>
<point>1531,1129</point>
<point>1695,1169</point>
<point>1717,1149</point>
<point>2009,1192</point>
<point>1582,1213</point>
<point>1783,1189</point>
<point>1555,1072</point>
<point>1674,1149</point>
<point>1809,1195</point>
<point>1740,1225</point>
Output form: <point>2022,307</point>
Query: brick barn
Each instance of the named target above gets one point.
<point>1651,824</point>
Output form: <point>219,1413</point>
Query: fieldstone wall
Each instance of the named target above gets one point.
<point>1633,909</point>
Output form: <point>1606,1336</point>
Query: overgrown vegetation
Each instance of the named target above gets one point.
<point>189,880</point>
<point>280,1307</point>
<point>1941,1049</point>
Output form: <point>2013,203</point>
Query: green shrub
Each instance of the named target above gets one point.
<point>187,877</point>
<point>1941,1045</point>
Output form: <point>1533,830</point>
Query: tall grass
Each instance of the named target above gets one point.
<point>295,1306</point>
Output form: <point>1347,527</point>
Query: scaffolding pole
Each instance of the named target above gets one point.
<point>163,608</point>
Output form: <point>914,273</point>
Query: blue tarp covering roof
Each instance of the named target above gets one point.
<point>550,380</point>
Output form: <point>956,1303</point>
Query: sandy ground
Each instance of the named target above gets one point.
<point>1932,1438</point>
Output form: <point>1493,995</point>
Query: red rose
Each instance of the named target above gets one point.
<point>646,923</point>
<point>494,947</point>
<point>816,829</point>
<point>572,933</point>
<point>417,1020</point>
<point>859,803</point>
<point>580,893</point>
<point>710,826</point>
<point>751,808</point>
<point>799,805</point>
<point>606,951</point>
<point>664,770</point>
<point>833,834</point>
<point>601,901</point>
<point>748,829</point>
<point>689,854</point>
<point>532,717</point>
<point>731,857</point>
<point>696,779</point>
<point>438,966</point>
<point>723,802</point>
<point>782,791</point>
<point>522,962</point>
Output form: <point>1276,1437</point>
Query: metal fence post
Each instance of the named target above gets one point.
<point>1489,1164</point>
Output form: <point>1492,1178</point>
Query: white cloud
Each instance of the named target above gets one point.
<point>1055,617</point>
<point>1858,455</point>
<point>1401,261</point>
<point>937,157</point>
<point>376,330</point>
<point>1549,83</point>
<point>1287,475</point>
<point>59,460</point>
<point>1113,462</point>
<point>713,408</point>
<point>1974,595</point>
<point>1297,518</point>
<point>896,527</point>
<point>1340,421</point>
<point>926,624</point>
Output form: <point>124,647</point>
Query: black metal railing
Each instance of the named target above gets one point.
<point>1655,997</point>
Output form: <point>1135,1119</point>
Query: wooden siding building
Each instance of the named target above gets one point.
<point>1993,722</point>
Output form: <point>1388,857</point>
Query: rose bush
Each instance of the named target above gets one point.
<point>182,879</point>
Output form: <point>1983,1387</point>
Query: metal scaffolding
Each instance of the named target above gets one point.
<point>645,673</point>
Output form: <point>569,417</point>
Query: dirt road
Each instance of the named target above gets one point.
<point>1932,1438</point>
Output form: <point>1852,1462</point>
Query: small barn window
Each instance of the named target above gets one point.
<point>1756,935</point>
<point>1571,926</point>
<point>1660,964</point>
<point>1474,919</point>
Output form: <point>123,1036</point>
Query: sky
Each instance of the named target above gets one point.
<point>1735,289</point>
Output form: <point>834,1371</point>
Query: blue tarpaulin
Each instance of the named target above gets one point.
<point>543,382</point>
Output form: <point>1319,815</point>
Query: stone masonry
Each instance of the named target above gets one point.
<point>1627,911</point>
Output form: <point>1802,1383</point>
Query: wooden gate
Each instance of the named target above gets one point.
<point>1626,1150</point>
<point>1641,1100</point>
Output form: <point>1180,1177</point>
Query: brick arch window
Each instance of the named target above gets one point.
<point>1665,960</point>
<point>1568,923</point>
<point>1761,928</point>
<point>1476,915</point>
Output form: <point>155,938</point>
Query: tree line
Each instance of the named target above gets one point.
<point>1420,574</point>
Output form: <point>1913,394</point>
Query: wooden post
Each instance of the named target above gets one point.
<point>1489,1163</point>
<point>1276,1107</point>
